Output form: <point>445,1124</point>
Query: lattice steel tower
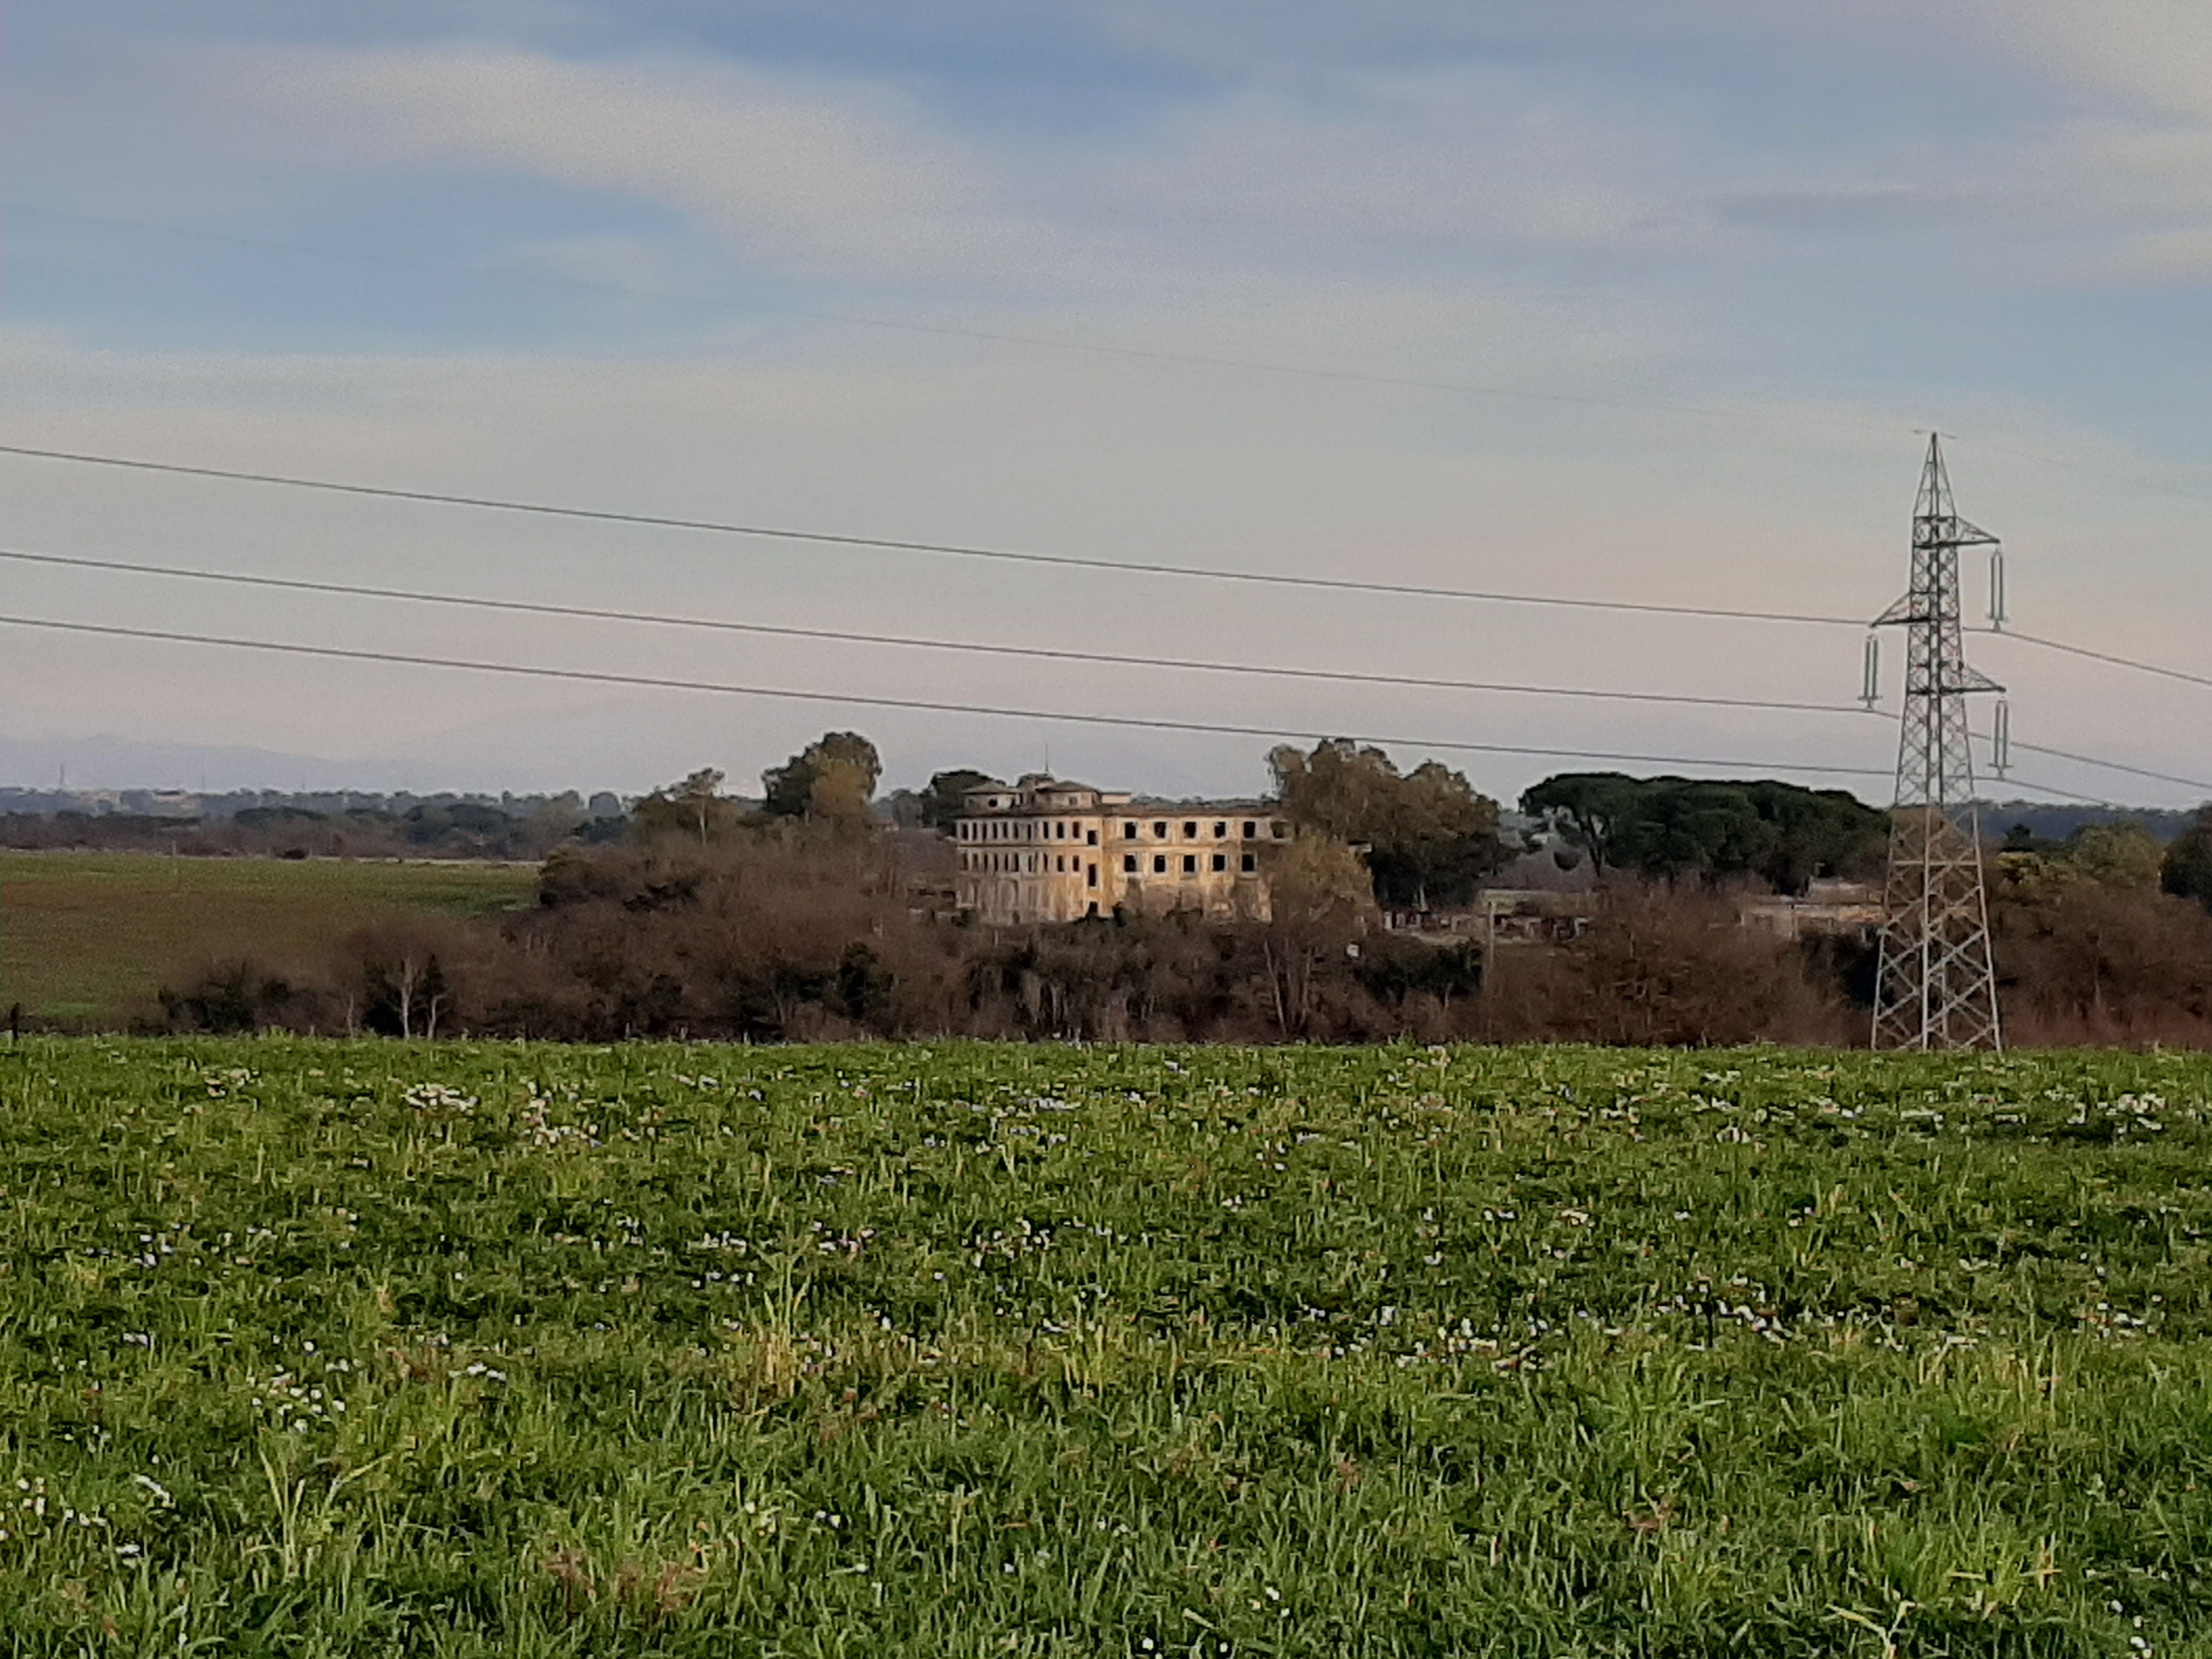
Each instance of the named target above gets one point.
<point>1936,987</point>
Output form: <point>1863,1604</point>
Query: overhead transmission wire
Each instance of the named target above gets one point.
<point>1990,783</point>
<point>669,683</point>
<point>597,613</point>
<point>1268,578</point>
<point>609,677</point>
<point>845,635</point>
<point>2110,766</point>
<point>956,549</point>
<point>545,509</point>
<point>1989,799</point>
<point>1094,348</point>
<point>661,619</point>
<point>2009,633</point>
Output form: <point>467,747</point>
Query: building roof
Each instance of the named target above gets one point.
<point>1242,804</point>
<point>1031,792</point>
<point>1035,785</point>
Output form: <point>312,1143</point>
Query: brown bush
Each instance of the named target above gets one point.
<point>2089,964</point>
<point>798,933</point>
<point>241,995</point>
<point>1665,966</point>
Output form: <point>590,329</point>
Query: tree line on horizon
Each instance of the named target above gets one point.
<point>1428,839</point>
<point>1427,836</point>
<point>804,916</point>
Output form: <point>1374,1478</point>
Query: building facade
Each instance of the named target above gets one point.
<point>1042,850</point>
<point>1828,908</point>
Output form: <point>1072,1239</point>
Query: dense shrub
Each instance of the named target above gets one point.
<point>800,932</point>
<point>2084,963</point>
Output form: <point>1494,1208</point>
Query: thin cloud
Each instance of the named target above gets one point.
<point>819,179</point>
<point>2154,55</point>
<point>1614,229</point>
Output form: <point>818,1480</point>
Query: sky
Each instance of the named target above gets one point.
<point>1633,300</point>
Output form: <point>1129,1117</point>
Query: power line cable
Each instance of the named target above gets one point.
<point>535,607</point>
<point>653,520</point>
<point>2064,794</point>
<point>2099,656</point>
<point>658,682</point>
<point>596,613</point>
<point>2084,760</point>
<point>603,676</point>
<point>2104,801</point>
<point>1280,579</point>
<point>2110,766</point>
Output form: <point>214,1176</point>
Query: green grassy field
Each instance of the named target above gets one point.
<point>317,1349</point>
<point>88,938</point>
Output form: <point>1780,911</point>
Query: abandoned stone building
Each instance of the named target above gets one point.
<point>1043,849</point>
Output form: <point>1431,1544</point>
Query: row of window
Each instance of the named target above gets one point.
<point>1026,829</point>
<point>1004,863</point>
<point>1190,828</point>
<point>1063,829</point>
<point>1032,864</point>
<point>1247,864</point>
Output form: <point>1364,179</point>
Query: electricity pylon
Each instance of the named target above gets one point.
<point>1936,987</point>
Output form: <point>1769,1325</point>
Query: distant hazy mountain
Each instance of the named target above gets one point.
<point>582,754</point>
<point>2055,822</point>
<point>111,763</point>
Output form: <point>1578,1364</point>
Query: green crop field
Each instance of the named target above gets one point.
<point>88,938</point>
<point>321,1348</point>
